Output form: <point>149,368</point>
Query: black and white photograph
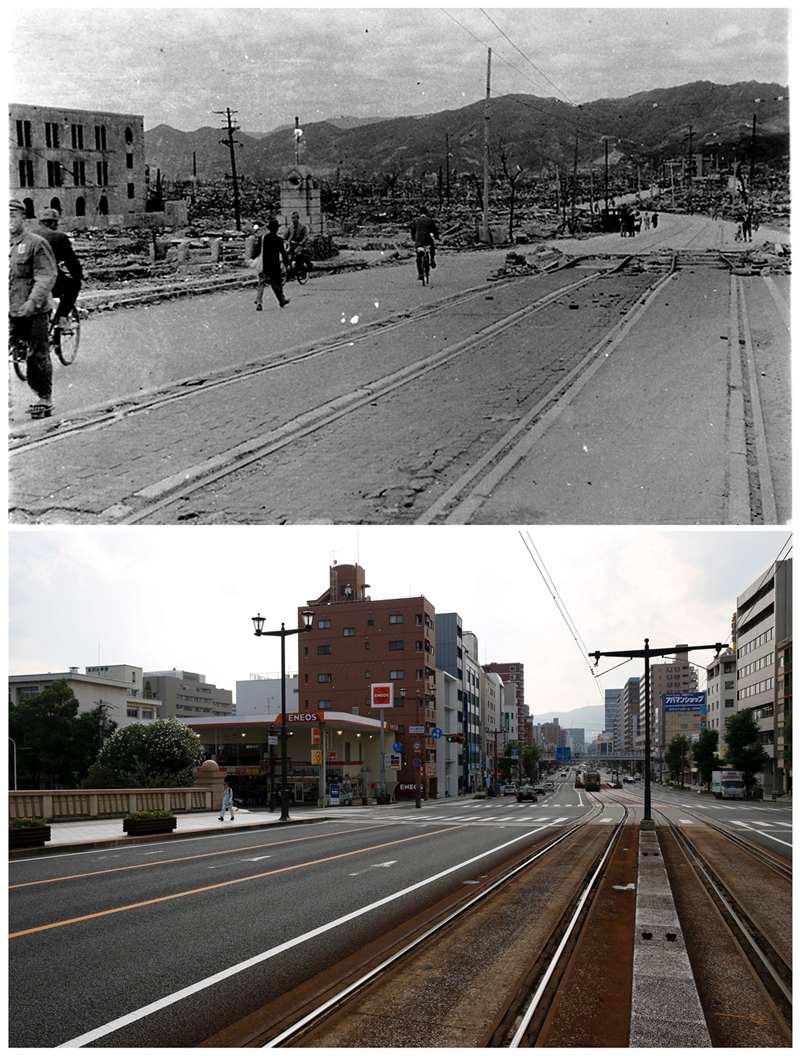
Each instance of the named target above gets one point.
<point>400,266</point>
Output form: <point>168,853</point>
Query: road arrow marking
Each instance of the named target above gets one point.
<point>261,859</point>
<point>378,865</point>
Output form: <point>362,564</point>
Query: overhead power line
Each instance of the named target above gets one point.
<point>525,57</point>
<point>553,591</point>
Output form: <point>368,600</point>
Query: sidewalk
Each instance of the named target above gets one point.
<point>68,836</point>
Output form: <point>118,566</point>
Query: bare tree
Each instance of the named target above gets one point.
<point>511,174</point>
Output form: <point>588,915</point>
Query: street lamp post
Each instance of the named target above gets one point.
<point>15,761</point>
<point>283,634</point>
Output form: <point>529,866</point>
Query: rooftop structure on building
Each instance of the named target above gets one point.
<point>357,642</point>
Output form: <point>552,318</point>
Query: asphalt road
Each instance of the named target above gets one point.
<point>768,824</point>
<point>164,944</point>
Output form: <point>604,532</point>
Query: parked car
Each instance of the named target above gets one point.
<point>526,792</point>
<point>509,790</point>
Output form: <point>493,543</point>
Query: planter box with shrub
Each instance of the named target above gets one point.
<point>148,823</point>
<point>28,832</point>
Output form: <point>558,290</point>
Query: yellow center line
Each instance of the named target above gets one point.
<point>193,857</point>
<point>227,883</point>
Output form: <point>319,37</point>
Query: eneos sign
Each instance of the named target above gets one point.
<point>382,695</point>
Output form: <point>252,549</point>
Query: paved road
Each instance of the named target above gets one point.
<point>165,943</point>
<point>652,445</point>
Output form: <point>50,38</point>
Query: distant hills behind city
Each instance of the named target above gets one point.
<point>590,718</point>
<point>534,132</point>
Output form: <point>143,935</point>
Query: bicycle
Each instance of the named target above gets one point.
<point>64,341</point>
<point>299,266</point>
<point>424,264</point>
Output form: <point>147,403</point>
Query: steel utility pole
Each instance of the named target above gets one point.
<point>230,143</point>
<point>486,235</point>
<point>647,652</point>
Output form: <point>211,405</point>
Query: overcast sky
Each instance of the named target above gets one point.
<point>184,597</point>
<point>177,65</point>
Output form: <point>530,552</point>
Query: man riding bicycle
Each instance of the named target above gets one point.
<point>296,238</point>
<point>424,232</point>
<point>70,272</point>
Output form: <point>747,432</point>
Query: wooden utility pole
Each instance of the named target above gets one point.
<point>486,233</point>
<point>753,161</point>
<point>230,143</point>
<point>575,176</point>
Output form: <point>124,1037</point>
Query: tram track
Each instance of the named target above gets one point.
<point>761,938</point>
<point>523,945</point>
<point>460,494</point>
<point>734,900</point>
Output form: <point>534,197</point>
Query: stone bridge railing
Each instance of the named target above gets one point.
<point>87,804</point>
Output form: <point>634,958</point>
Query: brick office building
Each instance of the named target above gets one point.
<point>355,642</point>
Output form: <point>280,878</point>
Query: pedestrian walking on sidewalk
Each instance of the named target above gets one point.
<point>274,259</point>
<point>227,801</point>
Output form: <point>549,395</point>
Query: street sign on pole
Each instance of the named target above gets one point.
<point>397,747</point>
<point>436,732</point>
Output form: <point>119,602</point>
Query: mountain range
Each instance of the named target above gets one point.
<point>532,131</point>
<point>590,718</point>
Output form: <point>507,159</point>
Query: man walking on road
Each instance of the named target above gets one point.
<point>273,258</point>
<point>227,801</point>
<point>32,272</point>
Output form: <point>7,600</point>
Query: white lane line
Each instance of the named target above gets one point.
<point>227,973</point>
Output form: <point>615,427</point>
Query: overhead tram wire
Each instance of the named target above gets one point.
<point>516,69</point>
<point>525,57</point>
<point>551,587</point>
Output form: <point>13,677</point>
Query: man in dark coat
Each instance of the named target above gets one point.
<point>70,272</point>
<point>273,255</point>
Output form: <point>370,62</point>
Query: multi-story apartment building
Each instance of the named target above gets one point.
<point>89,165</point>
<point>187,695</point>
<point>356,641</point>
<point>674,676</point>
<point>491,722</point>
<point>763,623</point>
<point>783,713</point>
<point>450,658</point>
<point>613,699</point>
<point>122,686</point>
<point>626,732</point>
<point>720,693</point>
<point>472,698</point>
<point>515,672</point>
<point>449,745</point>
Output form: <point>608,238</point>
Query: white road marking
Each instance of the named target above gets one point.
<point>229,972</point>
<point>259,859</point>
